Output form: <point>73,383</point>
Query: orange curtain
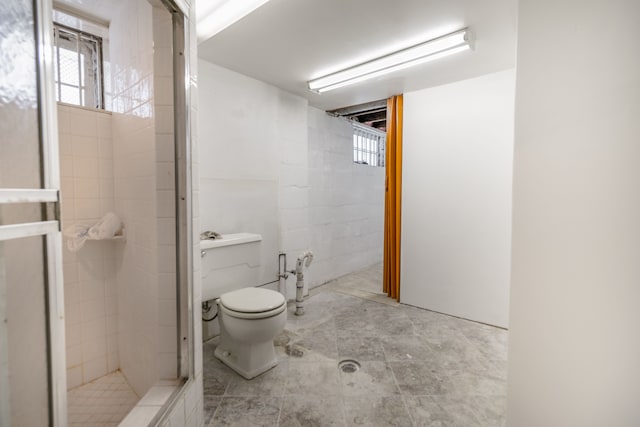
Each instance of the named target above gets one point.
<point>393,198</point>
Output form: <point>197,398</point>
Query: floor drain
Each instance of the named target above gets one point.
<point>349,366</point>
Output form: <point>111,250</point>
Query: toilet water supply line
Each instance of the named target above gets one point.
<point>304,260</point>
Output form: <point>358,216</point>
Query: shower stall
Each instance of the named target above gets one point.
<point>117,306</point>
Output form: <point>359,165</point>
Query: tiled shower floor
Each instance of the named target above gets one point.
<point>418,368</point>
<point>101,403</point>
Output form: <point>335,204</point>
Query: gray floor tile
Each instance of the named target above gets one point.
<point>373,378</point>
<point>361,349</point>
<point>475,384</point>
<point>418,367</point>
<point>420,378</point>
<point>314,347</point>
<point>406,347</point>
<point>393,325</point>
<point>355,322</point>
<point>313,378</point>
<point>252,411</point>
<point>311,411</point>
<point>376,411</point>
<point>210,405</point>
<point>442,411</point>
<point>270,383</point>
<point>491,342</point>
<point>216,375</point>
<point>314,321</point>
<point>455,354</point>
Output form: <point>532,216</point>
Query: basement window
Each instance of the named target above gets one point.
<point>369,123</point>
<point>368,145</point>
<point>78,68</point>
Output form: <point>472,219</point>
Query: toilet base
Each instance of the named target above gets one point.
<point>248,360</point>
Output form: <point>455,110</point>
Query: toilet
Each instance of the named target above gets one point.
<point>249,317</point>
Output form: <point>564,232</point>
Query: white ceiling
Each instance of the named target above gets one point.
<point>288,42</point>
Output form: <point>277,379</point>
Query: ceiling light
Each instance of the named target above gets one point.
<point>404,58</point>
<point>214,16</point>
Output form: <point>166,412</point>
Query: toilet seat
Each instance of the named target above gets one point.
<point>252,303</point>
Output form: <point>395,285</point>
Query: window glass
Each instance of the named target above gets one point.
<point>78,67</point>
<point>368,145</point>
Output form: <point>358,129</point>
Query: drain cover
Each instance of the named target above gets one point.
<point>349,366</point>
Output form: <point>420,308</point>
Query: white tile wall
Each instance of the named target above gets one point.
<point>239,176</point>
<point>346,202</point>
<point>293,180</point>
<point>86,142</point>
<point>277,167</point>
<point>134,151</point>
<point>143,186</point>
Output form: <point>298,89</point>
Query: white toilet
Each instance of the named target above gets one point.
<point>249,318</point>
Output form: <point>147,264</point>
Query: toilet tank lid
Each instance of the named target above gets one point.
<point>252,300</point>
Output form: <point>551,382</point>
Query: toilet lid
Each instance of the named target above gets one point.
<point>252,300</point>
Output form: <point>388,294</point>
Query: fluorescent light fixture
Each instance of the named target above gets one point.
<point>399,60</point>
<point>214,16</point>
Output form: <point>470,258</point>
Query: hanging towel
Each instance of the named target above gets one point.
<point>210,235</point>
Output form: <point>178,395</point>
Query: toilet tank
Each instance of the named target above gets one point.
<point>229,263</point>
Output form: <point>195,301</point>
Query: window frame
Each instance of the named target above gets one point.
<point>374,151</point>
<point>99,78</point>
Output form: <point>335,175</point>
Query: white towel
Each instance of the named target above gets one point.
<point>106,228</point>
<point>76,235</point>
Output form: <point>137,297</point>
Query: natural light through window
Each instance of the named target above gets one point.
<point>368,145</point>
<point>78,67</point>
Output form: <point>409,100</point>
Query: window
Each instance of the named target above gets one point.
<point>78,67</point>
<point>368,145</point>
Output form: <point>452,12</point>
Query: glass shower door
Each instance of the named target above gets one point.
<point>32,367</point>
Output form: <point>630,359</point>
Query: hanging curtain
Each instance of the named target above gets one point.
<point>393,198</point>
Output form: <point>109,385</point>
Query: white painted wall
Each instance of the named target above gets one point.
<point>574,343</point>
<point>239,132</point>
<point>346,202</point>
<point>456,198</point>
<point>274,166</point>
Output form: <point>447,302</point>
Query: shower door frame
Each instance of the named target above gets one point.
<point>183,192</point>
<point>49,227</point>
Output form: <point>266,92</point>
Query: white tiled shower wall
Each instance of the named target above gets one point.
<point>134,169</point>
<point>187,410</point>
<point>129,154</point>
<point>275,166</point>
<point>86,147</point>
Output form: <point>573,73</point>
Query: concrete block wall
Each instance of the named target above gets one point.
<point>238,146</point>
<point>346,202</point>
<point>275,166</point>
<point>293,180</point>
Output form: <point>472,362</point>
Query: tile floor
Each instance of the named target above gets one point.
<point>418,368</point>
<point>101,403</point>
